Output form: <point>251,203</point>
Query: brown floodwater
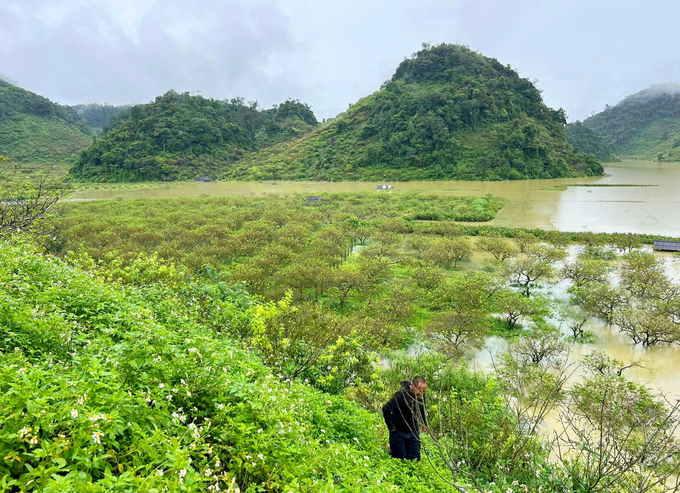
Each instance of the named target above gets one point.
<point>530,203</point>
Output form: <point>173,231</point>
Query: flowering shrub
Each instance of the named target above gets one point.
<point>107,388</point>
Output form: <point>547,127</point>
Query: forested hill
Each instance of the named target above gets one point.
<point>447,113</point>
<point>34,129</point>
<point>588,141</point>
<point>645,125</point>
<point>179,136</point>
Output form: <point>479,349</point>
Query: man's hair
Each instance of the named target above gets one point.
<point>417,381</point>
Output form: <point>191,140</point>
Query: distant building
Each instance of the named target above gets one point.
<point>204,178</point>
<point>313,198</point>
<point>385,187</point>
<point>667,246</point>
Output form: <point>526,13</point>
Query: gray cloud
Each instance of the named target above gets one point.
<point>90,55</point>
<point>583,53</point>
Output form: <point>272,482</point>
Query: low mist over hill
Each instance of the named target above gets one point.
<point>447,113</point>
<point>645,125</point>
<point>97,115</point>
<point>34,129</point>
<point>180,136</point>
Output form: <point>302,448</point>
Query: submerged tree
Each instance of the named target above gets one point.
<point>615,435</point>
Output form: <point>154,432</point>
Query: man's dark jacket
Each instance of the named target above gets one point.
<point>404,412</point>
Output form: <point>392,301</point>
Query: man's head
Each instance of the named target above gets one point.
<point>418,386</point>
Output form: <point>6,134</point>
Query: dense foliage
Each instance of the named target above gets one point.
<point>179,136</point>
<point>142,389</point>
<point>447,113</point>
<point>645,125</point>
<point>588,141</point>
<point>34,129</point>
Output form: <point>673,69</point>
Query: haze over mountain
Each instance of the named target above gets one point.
<point>645,125</point>
<point>129,51</point>
<point>97,115</point>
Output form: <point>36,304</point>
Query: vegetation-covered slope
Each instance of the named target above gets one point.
<point>645,125</point>
<point>447,113</point>
<point>110,389</point>
<point>33,129</point>
<point>588,141</point>
<point>179,136</point>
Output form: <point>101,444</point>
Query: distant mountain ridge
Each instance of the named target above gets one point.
<point>447,113</point>
<point>96,115</point>
<point>34,129</point>
<point>644,125</point>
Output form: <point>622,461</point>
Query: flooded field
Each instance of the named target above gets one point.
<point>658,365</point>
<point>546,204</point>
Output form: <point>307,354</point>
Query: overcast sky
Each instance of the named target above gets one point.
<point>328,53</point>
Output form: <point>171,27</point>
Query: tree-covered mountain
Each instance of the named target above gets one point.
<point>179,136</point>
<point>34,129</point>
<point>645,125</point>
<point>588,141</point>
<point>97,115</point>
<point>447,113</point>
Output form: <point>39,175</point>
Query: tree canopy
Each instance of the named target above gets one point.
<point>182,136</point>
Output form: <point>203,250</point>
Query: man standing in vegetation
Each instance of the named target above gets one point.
<point>404,415</point>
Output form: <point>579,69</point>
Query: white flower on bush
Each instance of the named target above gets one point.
<point>220,406</point>
<point>260,456</point>
<point>160,472</point>
<point>34,440</point>
<point>74,413</point>
<point>96,437</point>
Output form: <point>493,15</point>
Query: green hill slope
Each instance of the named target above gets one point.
<point>179,136</point>
<point>33,129</point>
<point>588,141</point>
<point>645,125</point>
<point>447,113</point>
